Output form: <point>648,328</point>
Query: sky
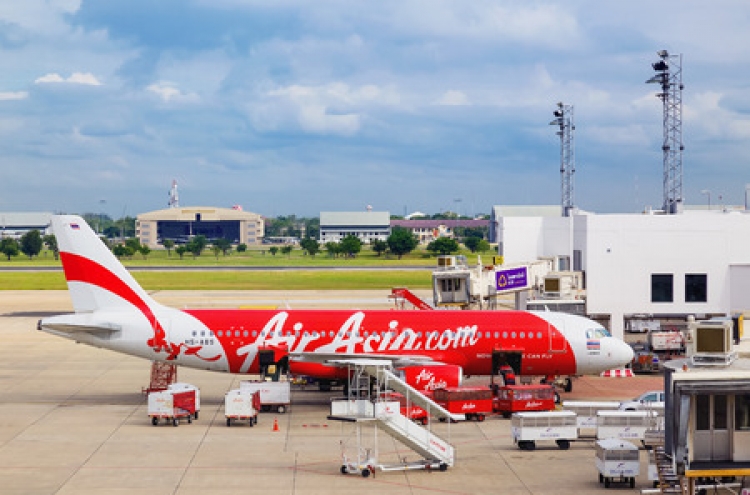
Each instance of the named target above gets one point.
<point>292,107</point>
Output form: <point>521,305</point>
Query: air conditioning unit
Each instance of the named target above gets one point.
<point>711,342</point>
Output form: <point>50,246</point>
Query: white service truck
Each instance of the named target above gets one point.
<point>274,396</point>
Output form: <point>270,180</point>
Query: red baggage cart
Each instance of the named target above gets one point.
<point>517,398</point>
<point>473,402</point>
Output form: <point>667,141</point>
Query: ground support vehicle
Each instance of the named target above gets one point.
<point>528,427</point>
<point>415,413</point>
<point>586,412</point>
<point>517,398</point>
<point>625,425</point>
<point>171,406</point>
<point>274,396</point>
<point>181,387</point>
<point>618,461</point>
<point>472,402</point>
<point>242,405</point>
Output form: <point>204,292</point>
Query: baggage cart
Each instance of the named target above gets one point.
<point>528,427</point>
<point>274,396</point>
<point>517,398</point>
<point>241,405</point>
<point>625,425</point>
<point>171,406</point>
<point>181,387</point>
<point>586,412</point>
<point>618,461</point>
<point>472,402</point>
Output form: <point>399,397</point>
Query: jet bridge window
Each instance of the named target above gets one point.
<point>742,412</point>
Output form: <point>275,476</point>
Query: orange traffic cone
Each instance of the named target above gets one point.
<point>275,425</point>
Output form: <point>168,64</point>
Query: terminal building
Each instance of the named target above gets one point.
<point>181,224</point>
<point>16,224</point>
<point>366,225</point>
<point>636,266</point>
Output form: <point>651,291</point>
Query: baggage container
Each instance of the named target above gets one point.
<point>617,461</point>
<point>171,406</point>
<point>472,402</point>
<point>181,387</point>
<point>274,396</point>
<point>415,413</point>
<point>517,398</point>
<point>241,405</point>
<point>586,412</point>
<point>528,427</point>
<point>625,425</point>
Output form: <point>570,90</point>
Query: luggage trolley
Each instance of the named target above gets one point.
<point>528,427</point>
<point>617,461</point>
<point>171,406</point>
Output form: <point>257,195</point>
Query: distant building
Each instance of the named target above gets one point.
<point>181,224</point>
<point>366,225</point>
<point>634,265</point>
<point>429,230</point>
<point>16,224</point>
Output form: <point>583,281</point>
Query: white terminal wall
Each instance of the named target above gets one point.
<point>620,253</point>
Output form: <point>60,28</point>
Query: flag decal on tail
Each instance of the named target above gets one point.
<point>74,226</point>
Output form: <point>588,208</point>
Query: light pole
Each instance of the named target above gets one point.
<point>706,191</point>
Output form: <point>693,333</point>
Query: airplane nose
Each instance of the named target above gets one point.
<point>622,353</point>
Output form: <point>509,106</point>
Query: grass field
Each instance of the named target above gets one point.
<point>227,279</point>
<point>239,280</point>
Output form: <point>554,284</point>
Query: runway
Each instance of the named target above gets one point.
<point>73,421</point>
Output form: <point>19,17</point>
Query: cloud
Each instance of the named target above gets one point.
<point>13,95</point>
<point>168,92</point>
<point>87,79</point>
<point>453,98</point>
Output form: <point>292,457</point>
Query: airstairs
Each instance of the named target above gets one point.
<point>365,405</point>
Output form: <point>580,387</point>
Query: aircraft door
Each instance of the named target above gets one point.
<point>502,359</point>
<point>556,332</point>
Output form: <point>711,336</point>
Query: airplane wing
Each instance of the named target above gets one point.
<point>343,359</point>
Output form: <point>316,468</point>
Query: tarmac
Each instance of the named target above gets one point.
<point>73,420</point>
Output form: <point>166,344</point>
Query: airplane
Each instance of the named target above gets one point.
<point>113,311</point>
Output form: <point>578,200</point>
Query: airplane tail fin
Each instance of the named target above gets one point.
<point>96,278</point>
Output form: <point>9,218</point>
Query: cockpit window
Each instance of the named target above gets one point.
<point>597,333</point>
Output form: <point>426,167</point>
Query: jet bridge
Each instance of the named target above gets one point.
<point>367,405</point>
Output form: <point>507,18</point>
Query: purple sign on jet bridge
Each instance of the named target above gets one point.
<point>513,278</point>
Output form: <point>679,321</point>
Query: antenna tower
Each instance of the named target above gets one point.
<point>669,77</point>
<point>174,199</point>
<point>564,120</point>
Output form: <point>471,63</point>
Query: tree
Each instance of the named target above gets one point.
<point>273,250</point>
<point>332,248</point>
<point>197,244</point>
<point>379,246</point>
<point>484,246</point>
<point>181,250</point>
<point>224,245</point>
<point>351,245</point>
<point>401,241</point>
<point>9,247</point>
<point>144,250</point>
<point>287,250</point>
<point>168,245</point>
<point>31,243</point>
<point>216,250</point>
<point>443,245</point>
<point>134,244</point>
<point>120,250</point>
<point>472,243</point>
<point>51,242</point>
<point>241,247</point>
<point>310,246</point>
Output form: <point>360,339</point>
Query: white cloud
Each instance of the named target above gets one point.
<point>13,95</point>
<point>75,78</point>
<point>168,92</point>
<point>453,98</point>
